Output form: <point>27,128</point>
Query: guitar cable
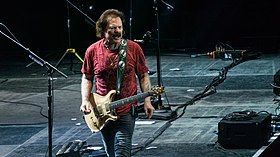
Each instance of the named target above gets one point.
<point>30,104</point>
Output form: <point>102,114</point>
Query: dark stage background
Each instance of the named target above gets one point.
<point>192,24</point>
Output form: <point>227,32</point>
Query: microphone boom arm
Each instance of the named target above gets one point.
<point>92,22</point>
<point>36,58</point>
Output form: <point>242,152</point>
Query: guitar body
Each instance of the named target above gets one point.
<point>100,111</point>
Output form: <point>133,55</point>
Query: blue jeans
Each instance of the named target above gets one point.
<point>117,136</point>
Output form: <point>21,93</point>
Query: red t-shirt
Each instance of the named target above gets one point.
<point>102,63</point>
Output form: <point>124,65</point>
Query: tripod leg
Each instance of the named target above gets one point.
<point>74,51</point>
<point>79,57</point>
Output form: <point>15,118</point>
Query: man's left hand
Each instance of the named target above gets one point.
<point>149,109</point>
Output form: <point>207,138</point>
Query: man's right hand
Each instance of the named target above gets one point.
<point>85,107</point>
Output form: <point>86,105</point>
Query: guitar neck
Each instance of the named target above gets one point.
<point>121,102</point>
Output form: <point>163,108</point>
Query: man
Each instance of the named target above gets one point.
<point>101,62</point>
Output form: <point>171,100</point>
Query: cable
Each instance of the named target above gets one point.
<point>151,139</point>
<point>278,107</point>
<point>274,86</point>
<point>211,88</point>
<point>41,113</point>
<point>10,32</point>
<point>168,5</point>
<point>41,108</point>
<point>5,80</point>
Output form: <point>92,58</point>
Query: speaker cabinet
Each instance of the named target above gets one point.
<point>244,130</point>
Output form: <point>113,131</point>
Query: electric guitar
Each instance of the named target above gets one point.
<point>102,107</point>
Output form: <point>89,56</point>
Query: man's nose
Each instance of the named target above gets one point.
<point>117,30</point>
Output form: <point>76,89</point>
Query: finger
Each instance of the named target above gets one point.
<point>82,109</point>
<point>149,113</point>
<point>87,109</point>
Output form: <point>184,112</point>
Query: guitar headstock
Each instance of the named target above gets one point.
<point>157,90</point>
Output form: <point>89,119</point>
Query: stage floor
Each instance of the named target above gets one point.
<point>24,107</point>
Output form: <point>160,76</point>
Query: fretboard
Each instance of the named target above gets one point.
<point>117,103</point>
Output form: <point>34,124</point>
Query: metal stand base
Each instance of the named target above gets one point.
<point>164,113</point>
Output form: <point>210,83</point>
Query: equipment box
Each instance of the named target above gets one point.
<point>244,130</point>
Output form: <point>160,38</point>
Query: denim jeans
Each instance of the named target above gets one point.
<point>117,136</point>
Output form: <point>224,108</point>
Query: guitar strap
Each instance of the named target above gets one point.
<point>121,63</point>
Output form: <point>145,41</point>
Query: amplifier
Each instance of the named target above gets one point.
<point>244,129</point>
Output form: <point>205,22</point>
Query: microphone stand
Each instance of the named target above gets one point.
<point>50,70</point>
<point>91,22</point>
<point>161,112</point>
<point>69,40</point>
<point>130,19</point>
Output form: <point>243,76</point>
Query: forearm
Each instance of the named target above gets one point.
<point>86,87</point>
<point>145,85</point>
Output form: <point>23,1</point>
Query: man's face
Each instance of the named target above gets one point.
<point>114,31</point>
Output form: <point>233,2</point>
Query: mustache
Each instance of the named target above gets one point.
<point>116,34</point>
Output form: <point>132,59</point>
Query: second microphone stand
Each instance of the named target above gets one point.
<point>161,112</point>
<point>71,50</point>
